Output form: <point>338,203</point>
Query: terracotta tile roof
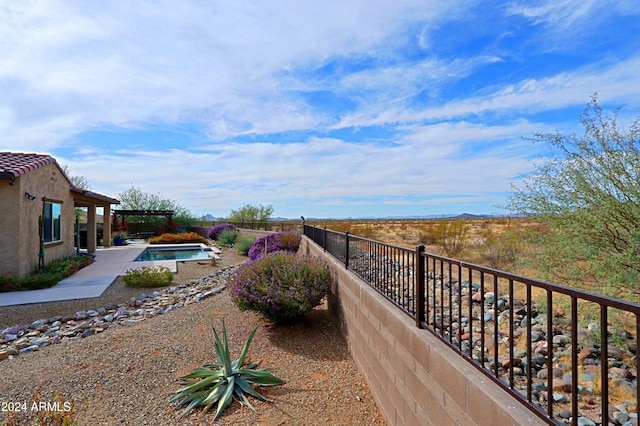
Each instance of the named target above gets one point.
<point>14,164</point>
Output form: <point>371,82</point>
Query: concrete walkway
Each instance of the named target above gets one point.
<point>90,281</point>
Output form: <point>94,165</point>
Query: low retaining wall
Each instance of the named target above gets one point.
<point>414,377</point>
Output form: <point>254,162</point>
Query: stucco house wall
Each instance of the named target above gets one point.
<point>19,219</point>
<point>27,182</point>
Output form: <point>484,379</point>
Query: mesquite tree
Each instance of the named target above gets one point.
<point>588,194</point>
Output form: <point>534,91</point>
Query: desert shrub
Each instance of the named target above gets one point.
<point>183,237</point>
<point>244,244</point>
<point>53,273</point>
<point>281,286</point>
<point>452,236</point>
<point>500,251</point>
<point>148,277</point>
<point>290,241</point>
<point>228,238</point>
<point>215,231</point>
<point>280,241</point>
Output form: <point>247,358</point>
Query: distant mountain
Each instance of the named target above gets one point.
<point>211,217</point>
<point>473,216</point>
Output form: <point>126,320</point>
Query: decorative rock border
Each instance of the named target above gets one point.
<point>18,340</point>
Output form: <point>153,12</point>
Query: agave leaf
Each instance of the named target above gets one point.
<point>225,399</point>
<point>201,384</point>
<point>200,373</point>
<point>214,394</point>
<point>214,399</point>
<point>194,403</point>
<point>245,349</point>
<point>243,399</point>
<point>246,387</point>
<point>220,352</point>
<point>253,365</point>
<point>227,354</point>
<point>212,366</point>
<point>222,349</point>
<point>261,377</point>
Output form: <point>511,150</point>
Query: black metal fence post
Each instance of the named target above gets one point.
<point>346,250</point>
<point>420,285</point>
<point>324,238</point>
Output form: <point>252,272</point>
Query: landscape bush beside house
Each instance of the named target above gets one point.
<point>47,277</point>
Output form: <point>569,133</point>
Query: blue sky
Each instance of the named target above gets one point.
<point>325,109</point>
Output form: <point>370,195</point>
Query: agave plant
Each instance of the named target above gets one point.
<point>221,383</point>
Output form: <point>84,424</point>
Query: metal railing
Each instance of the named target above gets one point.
<point>564,353</point>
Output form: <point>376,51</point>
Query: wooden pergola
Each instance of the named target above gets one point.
<point>124,213</point>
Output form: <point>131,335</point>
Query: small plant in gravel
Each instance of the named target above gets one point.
<point>148,277</point>
<point>218,384</point>
<point>243,245</point>
<point>228,238</point>
<point>215,231</point>
<point>281,286</point>
<point>280,241</point>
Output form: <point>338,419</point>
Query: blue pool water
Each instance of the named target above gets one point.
<point>173,254</point>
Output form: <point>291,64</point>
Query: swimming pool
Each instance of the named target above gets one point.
<point>175,253</point>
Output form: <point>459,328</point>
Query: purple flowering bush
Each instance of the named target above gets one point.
<point>215,231</point>
<point>281,286</point>
<point>288,241</point>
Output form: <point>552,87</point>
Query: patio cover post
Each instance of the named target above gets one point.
<point>106,225</point>
<point>91,228</point>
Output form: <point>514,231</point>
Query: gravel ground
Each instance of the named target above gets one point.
<point>127,375</point>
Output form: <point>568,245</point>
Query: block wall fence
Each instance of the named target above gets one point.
<point>414,377</point>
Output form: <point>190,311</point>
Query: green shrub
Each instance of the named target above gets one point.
<point>228,238</point>
<point>45,279</point>
<point>244,244</point>
<point>9,283</point>
<point>281,286</point>
<point>53,273</point>
<point>148,277</point>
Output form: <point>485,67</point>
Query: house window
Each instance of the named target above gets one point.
<point>52,217</point>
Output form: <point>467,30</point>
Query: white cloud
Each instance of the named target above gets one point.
<point>233,77</point>
<point>69,67</point>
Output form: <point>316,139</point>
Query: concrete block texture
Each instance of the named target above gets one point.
<point>415,378</point>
